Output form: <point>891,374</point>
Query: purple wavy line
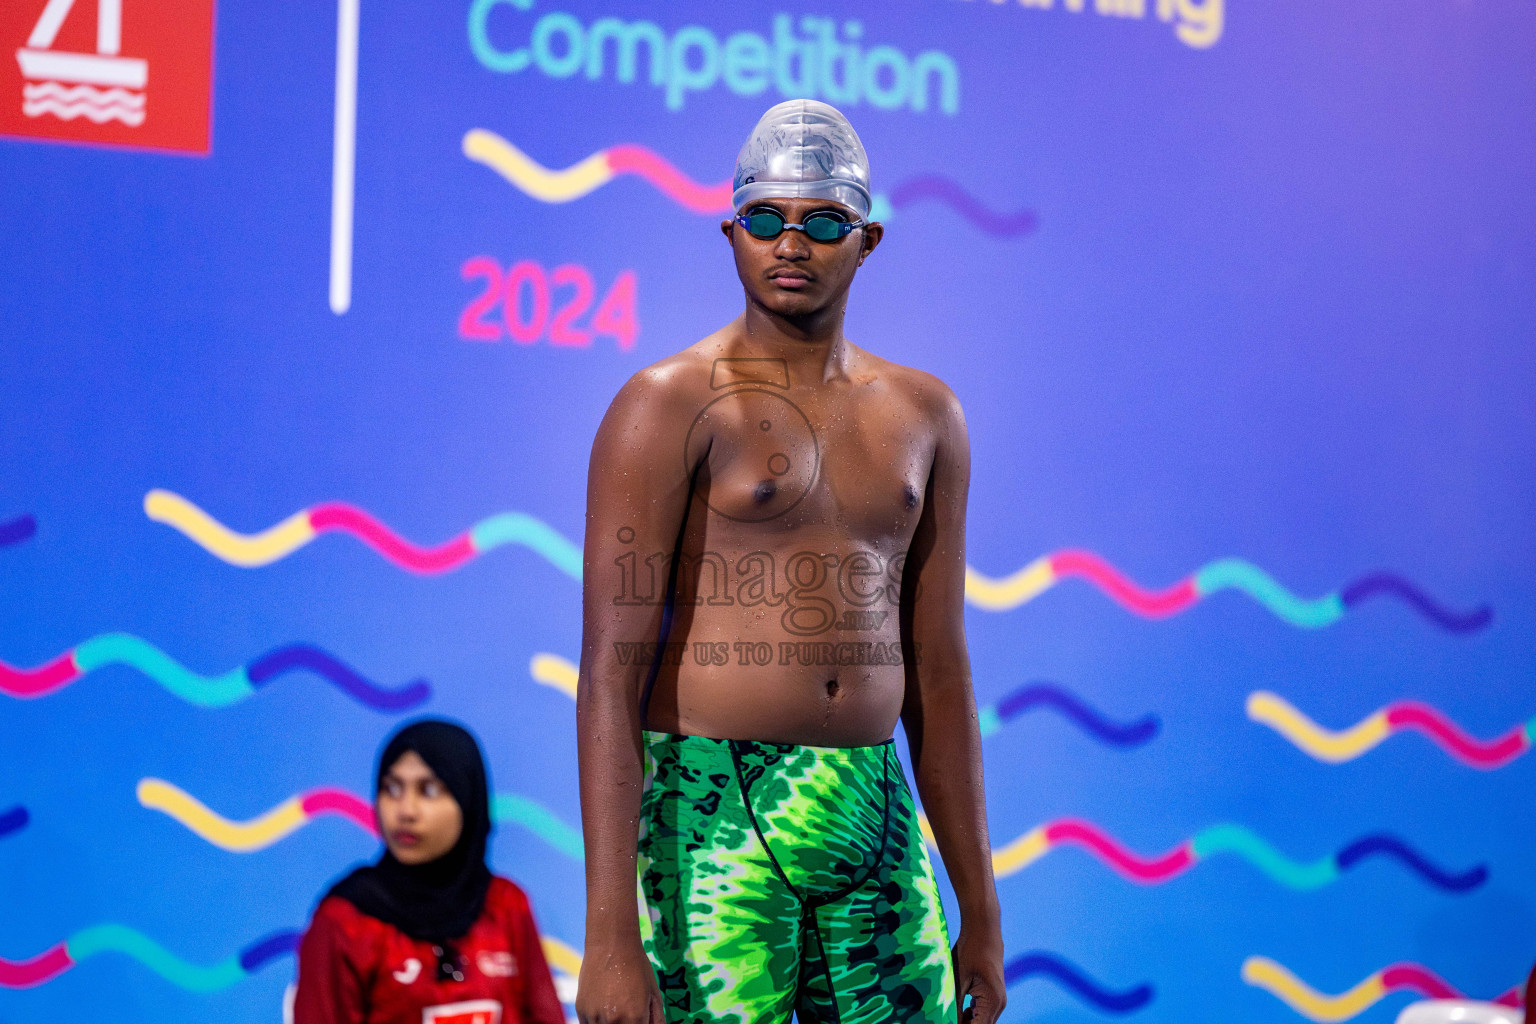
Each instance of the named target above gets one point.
<point>1071,977</point>
<point>342,675</point>
<point>1391,583</point>
<point>14,531</point>
<point>1131,734</point>
<point>1385,845</point>
<point>948,191</point>
<point>267,949</point>
<point>13,820</point>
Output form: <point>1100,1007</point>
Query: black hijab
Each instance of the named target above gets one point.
<point>439,900</point>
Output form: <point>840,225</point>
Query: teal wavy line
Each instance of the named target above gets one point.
<point>539,820</point>
<point>123,649</point>
<point>517,528</point>
<point>1236,574</point>
<point>1238,840</point>
<point>116,938</point>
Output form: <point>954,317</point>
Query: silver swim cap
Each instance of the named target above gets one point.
<point>803,149</point>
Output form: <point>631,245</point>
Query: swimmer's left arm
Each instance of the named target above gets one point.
<point>939,711</point>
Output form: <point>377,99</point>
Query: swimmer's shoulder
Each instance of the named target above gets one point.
<point>924,392</point>
<point>666,394</point>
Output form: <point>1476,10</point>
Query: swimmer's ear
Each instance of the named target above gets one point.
<point>873,232</point>
<point>727,228</point>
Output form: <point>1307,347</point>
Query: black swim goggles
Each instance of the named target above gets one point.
<point>822,225</point>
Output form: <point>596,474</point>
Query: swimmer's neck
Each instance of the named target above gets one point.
<point>812,345</point>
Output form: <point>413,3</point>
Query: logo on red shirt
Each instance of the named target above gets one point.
<point>474,1011</point>
<point>496,963</point>
<point>139,74</point>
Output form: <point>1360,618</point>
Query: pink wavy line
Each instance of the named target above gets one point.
<point>1426,982</point>
<point>338,515</point>
<point>34,682</point>
<point>1433,723</point>
<point>1155,604</point>
<point>328,800</point>
<point>1129,863</point>
<point>26,973</point>
<point>628,158</point>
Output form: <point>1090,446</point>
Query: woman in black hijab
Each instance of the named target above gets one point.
<point>427,935</point>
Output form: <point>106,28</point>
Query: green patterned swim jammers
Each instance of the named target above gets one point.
<point>779,878</point>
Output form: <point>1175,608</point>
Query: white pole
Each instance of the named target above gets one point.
<point>343,158</point>
<point>109,27</point>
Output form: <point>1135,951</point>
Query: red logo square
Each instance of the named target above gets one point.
<point>133,73</point>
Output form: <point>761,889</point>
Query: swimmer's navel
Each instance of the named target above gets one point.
<point>911,496</point>
<point>764,491</point>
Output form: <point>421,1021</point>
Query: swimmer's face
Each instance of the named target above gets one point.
<point>793,275</point>
<point>421,820</point>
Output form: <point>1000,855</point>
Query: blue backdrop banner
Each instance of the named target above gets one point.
<point>309,315</point>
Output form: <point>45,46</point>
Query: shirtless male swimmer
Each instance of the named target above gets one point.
<point>790,510</point>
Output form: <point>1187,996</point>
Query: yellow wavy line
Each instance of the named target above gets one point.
<point>1264,973</point>
<point>560,956</point>
<point>533,178</point>
<point>555,672</point>
<point>237,836</point>
<point>1020,853</point>
<point>245,549</point>
<point>927,830</point>
<point>1323,744</point>
<point>1016,856</point>
<point>1011,591</point>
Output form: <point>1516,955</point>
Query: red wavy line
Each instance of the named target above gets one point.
<point>628,158</point>
<point>1480,753</point>
<point>1154,604</point>
<point>339,516</point>
<point>338,801</point>
<point>26,973</point>
<point>1419,978</point>
<point>1426,982</point>
<point>35,682</point>
<point>1129,863</point>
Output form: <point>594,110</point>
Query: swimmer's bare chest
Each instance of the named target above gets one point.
<point>787,584</point>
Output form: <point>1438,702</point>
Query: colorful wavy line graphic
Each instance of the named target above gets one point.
<point>1224,574</point>
<point>1072,978</point>
<point>597,170</point>
<point>14,531</point>
<point>1226,838</point>
<point>1274,978</point>
<point>292,814</point>
<point>586,176</point>
<point>1034,695</point>
<point>13,820</point>
<point>280,541</point>
<point>117,938</point>
<point>950,193</point>
<point>205,691</point>
<point>1345,745</point>
<point>261,831</point>
<point>561,957</point>
<point>555,672</point>
<point>541,821</point>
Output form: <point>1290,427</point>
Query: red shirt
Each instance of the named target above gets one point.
<point>355,969</point>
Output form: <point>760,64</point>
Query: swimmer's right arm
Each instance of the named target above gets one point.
<point>637,494</point>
